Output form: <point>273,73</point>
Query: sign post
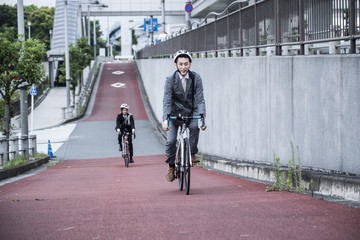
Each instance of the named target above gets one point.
<point>188,9</point>
<point>32,93</point>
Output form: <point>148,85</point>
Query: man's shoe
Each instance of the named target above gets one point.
<point>170,175</point>
<point>194,160</point>
<point>120,149</point>
<point>131,160</point>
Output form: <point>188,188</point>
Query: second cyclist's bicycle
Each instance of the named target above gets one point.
<point>126,150</point>
<point>183,161</point>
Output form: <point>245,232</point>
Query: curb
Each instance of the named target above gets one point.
<point>326,184</point>
<point>17,170</point>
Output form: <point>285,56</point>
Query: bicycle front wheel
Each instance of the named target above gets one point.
<point>187,167</point>
<point>126,155</point>
<point>179,173</point>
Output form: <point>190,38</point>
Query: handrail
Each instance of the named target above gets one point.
<point>240,37</point>
<point>219,14</point>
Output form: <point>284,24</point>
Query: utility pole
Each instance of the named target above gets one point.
<point>20,17</point>
<point>163,14</point>
<point>88,24</point>
<point>67,62</point>
<point>23,88</point>
<point>152,29</point>
<point>94,38</point>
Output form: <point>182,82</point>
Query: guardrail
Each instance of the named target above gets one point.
<point>83,99</point>
<point>270,27</point>
<point>12,147</point>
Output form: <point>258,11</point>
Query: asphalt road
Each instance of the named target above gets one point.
<point>91,195</point>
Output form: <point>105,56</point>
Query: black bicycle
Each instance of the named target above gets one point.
<point>126,150</point>
<point>183,161</point>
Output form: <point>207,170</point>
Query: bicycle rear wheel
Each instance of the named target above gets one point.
<point>187,167</point>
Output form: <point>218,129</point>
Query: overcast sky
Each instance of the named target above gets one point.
<point>39,3</point>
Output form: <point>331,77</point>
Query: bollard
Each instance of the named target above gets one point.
<point>63,112</point>
<point>307,49</point>
<point>32,145</point>
<point>333,49</point>
<point>3,150</point>
<point>13,147</point>
<point>285,50</point>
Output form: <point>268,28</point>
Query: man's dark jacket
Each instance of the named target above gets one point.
<point>123,125</point>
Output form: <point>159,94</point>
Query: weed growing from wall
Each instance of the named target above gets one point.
<point>277,184</point>
<point>301,186</point>
<point>283,181</point>
<point>294,174</point>
<point>289,182</point>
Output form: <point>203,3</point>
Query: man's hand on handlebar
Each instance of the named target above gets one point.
<point>165,125</point>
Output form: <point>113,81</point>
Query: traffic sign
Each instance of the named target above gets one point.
<point>33,90</point>
<point>189,7</point>
<point>147,24</point>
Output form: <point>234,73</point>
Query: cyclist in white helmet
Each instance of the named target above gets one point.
<point>125,123</point>
<point>183,94</point>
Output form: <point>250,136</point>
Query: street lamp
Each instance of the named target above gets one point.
<point>29,27</point>
<point>94,23</point>
<point>50,33</point>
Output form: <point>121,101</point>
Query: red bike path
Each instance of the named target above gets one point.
<point>101,199</point>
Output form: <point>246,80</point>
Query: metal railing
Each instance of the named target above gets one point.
<point>12,147</point>
<point>270,27</point>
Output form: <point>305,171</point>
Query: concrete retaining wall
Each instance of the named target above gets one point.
<point>257,105</point>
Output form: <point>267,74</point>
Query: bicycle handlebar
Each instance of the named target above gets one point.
<point>179,117</point>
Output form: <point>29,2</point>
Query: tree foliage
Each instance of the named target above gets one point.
<point>20,65</point>
<point>41,21</point>
<point>80,57</point>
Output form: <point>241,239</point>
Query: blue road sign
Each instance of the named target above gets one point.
<point>147,24</point>
<point>189,7</point>
<point>33,90</point>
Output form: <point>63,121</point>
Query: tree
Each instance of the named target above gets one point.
<point>8,17</point>
<point>41,21</point>
<point>100,43</point>
<point>80,57</point>
<point>20,65</point>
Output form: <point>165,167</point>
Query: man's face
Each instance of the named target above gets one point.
<point>183,65</point>
<point>124,111</point>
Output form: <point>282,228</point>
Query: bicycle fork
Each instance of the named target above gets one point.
<point>185,141</point>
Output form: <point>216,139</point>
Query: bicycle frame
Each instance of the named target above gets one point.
<point>182,167</point>
<point>126,153</point>
<point>182,136</point>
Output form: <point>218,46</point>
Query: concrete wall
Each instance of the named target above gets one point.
<point>257,105</point>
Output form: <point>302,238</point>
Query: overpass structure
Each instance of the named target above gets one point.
<point>80,12</point>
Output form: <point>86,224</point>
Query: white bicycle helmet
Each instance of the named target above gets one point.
<point>182,53</point>
<point>124,105</point>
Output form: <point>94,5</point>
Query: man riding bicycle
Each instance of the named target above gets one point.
<point>125,123</point>
<point>183,94</point>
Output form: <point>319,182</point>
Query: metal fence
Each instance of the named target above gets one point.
<point>269,27</point>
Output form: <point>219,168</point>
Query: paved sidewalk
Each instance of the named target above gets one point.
<point>48,119</point>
